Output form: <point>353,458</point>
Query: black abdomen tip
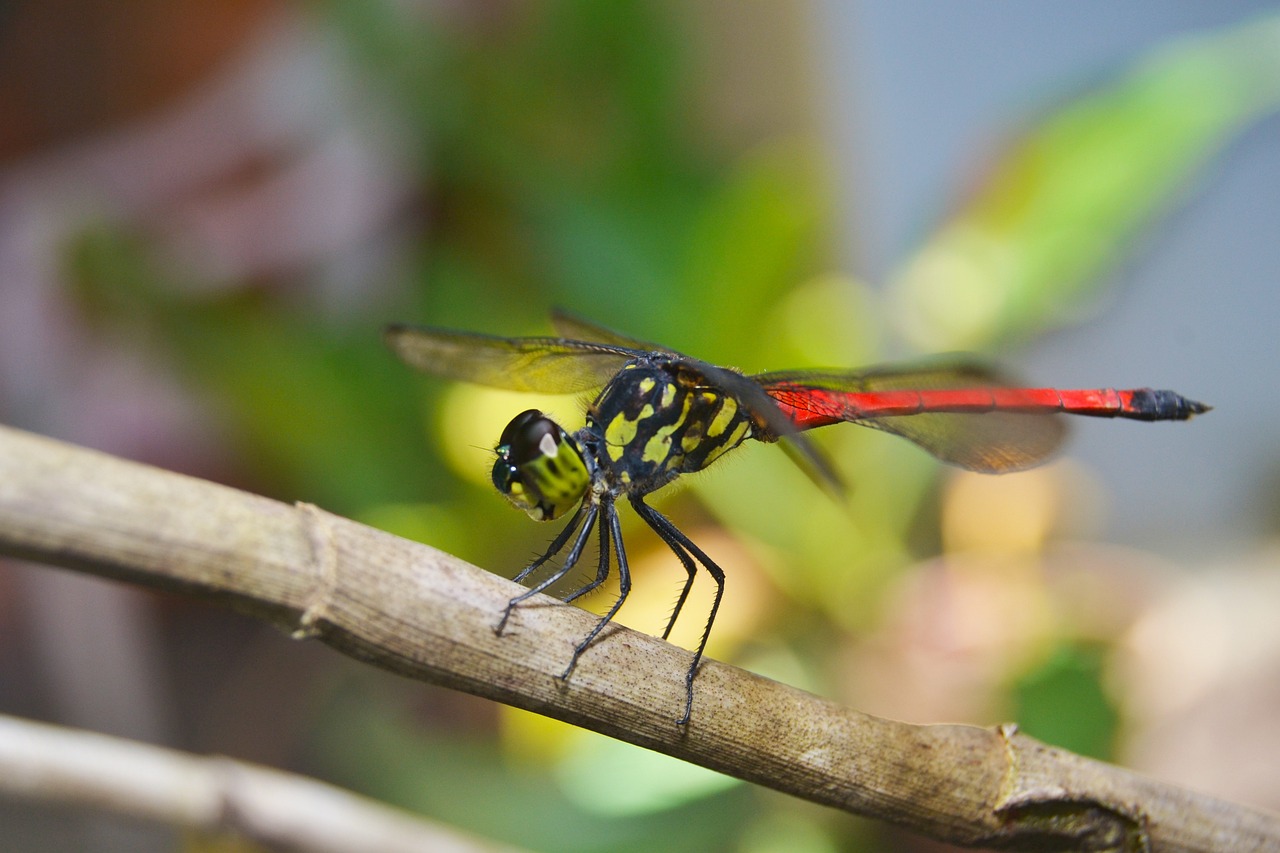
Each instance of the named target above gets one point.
<point>1151,405</point>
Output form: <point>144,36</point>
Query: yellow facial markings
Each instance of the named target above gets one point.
<point>728,408</point>
<point>552,484</point>
<point>561,488</point>
<point>544,481</point>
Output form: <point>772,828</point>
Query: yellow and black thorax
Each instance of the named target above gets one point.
<point>658,418</point>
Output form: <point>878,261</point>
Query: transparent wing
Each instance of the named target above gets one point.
<point>544,365</point>
<point>990,441</point>
<point>572,326</point>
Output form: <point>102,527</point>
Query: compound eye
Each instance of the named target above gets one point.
<point>506,476</point>
<point>519,425</point>
<point>529,436</point>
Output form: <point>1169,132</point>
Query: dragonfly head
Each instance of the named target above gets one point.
<point>540,467</point>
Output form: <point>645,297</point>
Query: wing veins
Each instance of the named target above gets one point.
<point>538,364</point>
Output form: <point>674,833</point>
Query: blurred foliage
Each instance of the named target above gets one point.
<point>560,162</point>
<point>1032,247</point>
<point>469,780</point>
<point>1069,680</point>
<point>315,408</point>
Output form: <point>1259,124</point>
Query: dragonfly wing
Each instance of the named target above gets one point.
<point>940,372</point>
<point>989,442</point>
<point>579,328</point>
<point>814,463</point>
<point>545,365</point>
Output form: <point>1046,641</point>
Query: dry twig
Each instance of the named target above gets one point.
<point>427,615</point>
<point>211,794</point>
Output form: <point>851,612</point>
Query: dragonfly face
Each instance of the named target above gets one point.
<point>540,467</point>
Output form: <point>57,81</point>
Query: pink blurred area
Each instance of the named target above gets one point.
<point>238,141</point>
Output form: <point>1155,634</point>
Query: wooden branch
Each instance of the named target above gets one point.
<point>426,615</point>
<point>281,811</point>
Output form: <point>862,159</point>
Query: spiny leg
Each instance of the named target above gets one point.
<point>683,546</point>
<point>556,544</point>
<point>624,580</point>
<point>570,561</point>
<point>687,562</point>
<point>602,569</point>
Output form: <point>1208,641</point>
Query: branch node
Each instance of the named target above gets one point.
<point>1056,813</point>
<point>324,562</point>
<point>1008,784</point>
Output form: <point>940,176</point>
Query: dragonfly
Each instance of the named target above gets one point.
<point>658,414</point>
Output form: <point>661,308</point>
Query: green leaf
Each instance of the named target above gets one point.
<point>1031,248</point>
<point>1063,703</point>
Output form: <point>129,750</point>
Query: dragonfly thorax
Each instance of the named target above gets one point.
<point>657,420</point>
<point>540,467</point>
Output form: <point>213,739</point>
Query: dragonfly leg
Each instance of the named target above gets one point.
<point>685,549</point>
<point>589,521</point>
<point>624,579</point>
<point>692,569</point>
<point>602,569</point>
<point>556,544</point>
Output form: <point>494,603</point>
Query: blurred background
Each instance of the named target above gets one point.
<point>207,212</point>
